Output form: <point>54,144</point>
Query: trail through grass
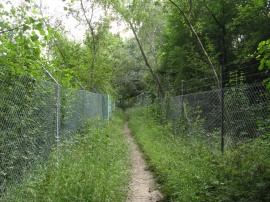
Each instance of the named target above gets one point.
<point>143,187</point>
<point>189,170</point>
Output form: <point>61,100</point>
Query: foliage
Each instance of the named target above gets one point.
<point>143,18</point>
<point>25,114</point>
<point>264,57</point>
<point>264,51</point>
<point>23,35</point>
<point>31,42</point>
<point>188,170</point>
<point>91,167</point>
<point>246,172</point>
<point>71,60</point>
<point>230,31</point>
<point>129,78</point>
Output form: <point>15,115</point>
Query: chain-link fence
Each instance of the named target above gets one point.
<point>224,118</point>
<point>35,116</point>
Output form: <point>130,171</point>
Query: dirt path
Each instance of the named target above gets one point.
<point>142,185</point>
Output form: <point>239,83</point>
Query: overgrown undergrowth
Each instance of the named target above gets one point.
<point>189,170</point>
<point>91,167</point>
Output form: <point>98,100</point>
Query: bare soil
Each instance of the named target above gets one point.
<point>142,185</point>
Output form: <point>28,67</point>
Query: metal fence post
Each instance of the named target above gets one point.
<point>83,106</point>
<point>182,95</point>
<point>102,106</point>
<point>108,106</point>
<point>222,110</point>
<point>83,101</point>
<point>183,110</point>
<point>57,93</point>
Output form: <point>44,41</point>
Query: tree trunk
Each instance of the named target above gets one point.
<point>155,77</point>
<point>94,43</point>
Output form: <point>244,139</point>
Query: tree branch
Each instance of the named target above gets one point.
<point>187,20</point>
<point>223,28</point>
<point>9,30</point>
<point>93,40</point>
<point>213,15</point>
<point>190,8</point>
<point>156,78</point>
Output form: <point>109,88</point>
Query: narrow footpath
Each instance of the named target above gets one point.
<point>142,186</point>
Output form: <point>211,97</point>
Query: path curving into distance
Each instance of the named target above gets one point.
<point>142,185</point>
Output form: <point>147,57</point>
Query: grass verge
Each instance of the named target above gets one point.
<point>189,170</point>
<point>92,167</point>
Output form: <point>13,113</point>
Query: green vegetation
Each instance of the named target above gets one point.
<point>189,170</point>
<point>172,43</point>
<point>263,56</point>
<point>91,167</point>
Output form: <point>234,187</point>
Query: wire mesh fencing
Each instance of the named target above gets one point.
<point>246,113</point>
<point>225,118</point>
<point>36,116</point>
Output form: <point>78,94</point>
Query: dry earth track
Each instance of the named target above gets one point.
<point>143,187</point>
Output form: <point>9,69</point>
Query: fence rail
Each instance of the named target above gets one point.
<point>35,116</point>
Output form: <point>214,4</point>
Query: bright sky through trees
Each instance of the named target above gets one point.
<point>54,10</point>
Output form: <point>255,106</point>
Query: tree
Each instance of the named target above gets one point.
<point>22,37</point>
<point>129,77</point>
<point>225,35</point>
<point>135,14</point>
<point>194,32</point>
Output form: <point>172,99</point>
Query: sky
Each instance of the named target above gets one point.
<point>55,10</point>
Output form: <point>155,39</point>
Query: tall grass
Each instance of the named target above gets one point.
<point>91,167</point>
<point>190,170</point>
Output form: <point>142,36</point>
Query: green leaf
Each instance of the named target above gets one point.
<point>42,32</point>
<point>26,46</point>
<point>262,43</point>
<point>34,38</point>
<point>47,37</point>
<point>37,43</point>
<point>268,63</point>
<point>39,26</point>
<point>34,12</point>
<point>261,65</point>
<point>26,27</point>
<point>12,10</point>
<point>32,20</point>
<point>268,86</point>
<point>50,31</point>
